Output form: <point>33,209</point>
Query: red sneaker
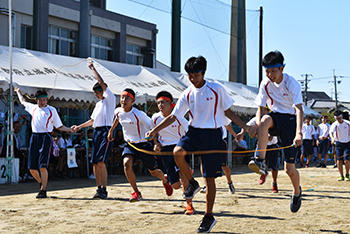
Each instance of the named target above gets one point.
<point>168,187</point>
<point>274,188</point>
<point>262,178</point>
<point>135,196</point>
<point>189,210</point>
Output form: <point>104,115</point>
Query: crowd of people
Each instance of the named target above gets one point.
<point>195,124</point>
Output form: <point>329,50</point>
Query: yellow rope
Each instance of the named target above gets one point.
<point>206,151</point>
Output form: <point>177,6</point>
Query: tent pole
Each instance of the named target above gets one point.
<point>10,152</point>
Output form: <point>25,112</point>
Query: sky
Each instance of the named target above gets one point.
<point>313,36</point>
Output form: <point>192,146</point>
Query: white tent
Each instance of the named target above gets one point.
<point>69,78</point>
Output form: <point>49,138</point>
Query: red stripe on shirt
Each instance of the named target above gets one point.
<point>188,100</point>
<point>47,122</point>
<point>155,120</point>
<point>178,128</point>
<point>267,92</point>
<point>216,104</point>
<point>138,125</point>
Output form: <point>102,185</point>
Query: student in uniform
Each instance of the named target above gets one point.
<point>44,119</point>
<point>340,135</point>
<point>323,141</point>
<point>208,104</point>
<point>135,124</point>
<point>101,120</point>
<point>282,93</point>
<point>307,150</point>
<point>167,140</point>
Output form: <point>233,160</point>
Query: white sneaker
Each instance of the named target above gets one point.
<point>204,189</point>
<point>92,176</point>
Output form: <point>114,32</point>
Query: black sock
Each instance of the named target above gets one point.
<point>208,214</point>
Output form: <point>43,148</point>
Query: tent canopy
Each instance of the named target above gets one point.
<point>69,78</point>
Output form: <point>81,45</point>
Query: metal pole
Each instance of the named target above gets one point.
<point>335,90</point>
<point>10,152</point>
<point>176,36</point>
<point>260,45</point>
<point>86,148</point>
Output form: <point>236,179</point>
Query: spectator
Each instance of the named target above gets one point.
<point>65,141</point>
<point>79,141</point>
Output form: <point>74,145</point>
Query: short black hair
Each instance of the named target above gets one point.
<point>196,64</point>
<point>164,94</point>
<point>40,93</point>
<point>130,91</point>
<point>98,87</point>
<point>337,113</point>
<point>272,58</point>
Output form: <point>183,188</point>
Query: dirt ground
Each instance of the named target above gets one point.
<point>252,209</point>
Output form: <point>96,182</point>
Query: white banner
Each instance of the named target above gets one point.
<point>3,169</point>
<point>71,162</point>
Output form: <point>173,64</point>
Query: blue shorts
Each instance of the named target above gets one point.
<point>323,147</point>
<point>342,150</point>
<point>198,139</point>
<point>148,160</point>
<point>101,147</point>
<point>39,150</point>
<point>272,157</point>
<point>284,126</point>
<point>307,148</point>
<point>170,165</point>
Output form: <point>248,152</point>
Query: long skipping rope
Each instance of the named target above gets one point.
<point>203,151</point>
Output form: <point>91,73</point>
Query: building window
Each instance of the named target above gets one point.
<point>101,48</point>
<point>26,36</point>
<point>133,54</point>
<point>62,41</point>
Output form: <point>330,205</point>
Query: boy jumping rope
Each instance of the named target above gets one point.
<point>208,104</point>
<point>167,140</point>
<point>101,120</point>
<point>135,124</point>
<point>285,120</point>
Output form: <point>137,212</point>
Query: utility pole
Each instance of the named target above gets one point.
<point>335,82</point>
<point>305,82</point>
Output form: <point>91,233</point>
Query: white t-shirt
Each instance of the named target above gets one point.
<point>104,109</point>
<point>341,131</point>
<point>274,140</point>
<point>308,131</point>
<point>171,134</point>
<point>281,97</point>
<point>43,119</point>
<point>206,105</point>
<point>135,124</point>
<point>323,130</point>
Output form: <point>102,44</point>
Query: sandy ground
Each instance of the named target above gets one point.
<point>253,209</point>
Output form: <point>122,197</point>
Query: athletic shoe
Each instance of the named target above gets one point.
<point>335,166</point>
<point>340,178</point>
<point>135,196</point>
<point>104,193</point>
<point>207,224</point>
<point>295,202</point>
<point>189,210</point>
<point>231,188</point>
<point>41,194</point>
<point>347,177</point>
<point>307,165</point>
<point>263,178</point>
<point>168,188</point>
<point>274,188</point>
<point>258,166</point>
<point>323,165</point>
<point>191,190</point>
<point>319,165</point>
<point>204,189</point>
<point>301,164</point>
<point>100,194</point>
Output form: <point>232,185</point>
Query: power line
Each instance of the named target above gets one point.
<point>186,18</point>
